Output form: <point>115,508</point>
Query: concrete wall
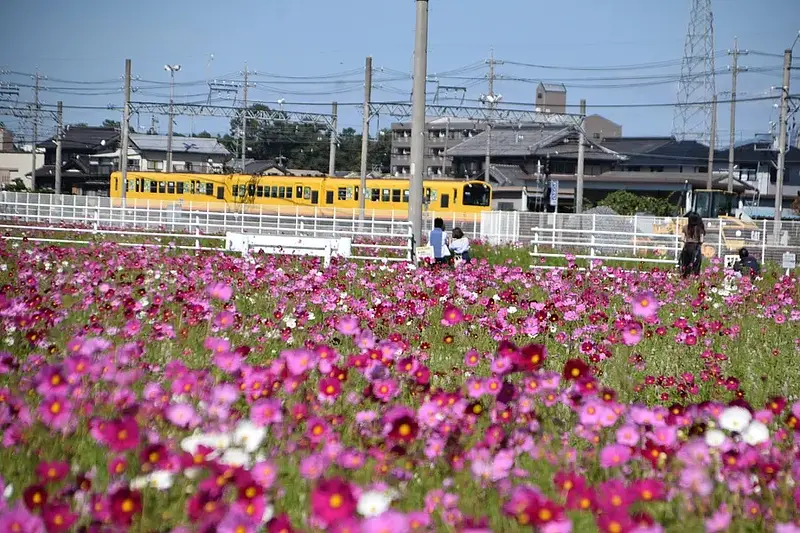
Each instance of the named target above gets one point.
<point>14,165</point>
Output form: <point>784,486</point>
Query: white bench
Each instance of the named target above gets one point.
<point>288,245</point>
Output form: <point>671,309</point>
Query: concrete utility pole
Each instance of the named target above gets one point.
<point>59,142</point>
<point>35,131</point>
<point>787,71</point>
<point>735,69</point>
<point>581,156</point>
<point>418,120</point>
<point>172,69</point>
<point>124,130</point>
<point>712,144</point>
<point>492,100</point>
<point>334,135</point>
<point>365,137</point>
<point>246,73</point>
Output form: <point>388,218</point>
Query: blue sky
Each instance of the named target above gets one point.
<point>88,41</point>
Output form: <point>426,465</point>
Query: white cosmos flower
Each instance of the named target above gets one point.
<point>235,457</point>
<point>248,435</point>
<point>715,438</point>
<point>755,433</point>
<point>8,492</point>
<point>217,441</point>
<point>373,503</point>
<point>269,512</point>
<point>160,479</point>
<point>735,419</point>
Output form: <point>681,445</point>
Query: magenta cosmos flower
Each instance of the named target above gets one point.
<point>645,305</point>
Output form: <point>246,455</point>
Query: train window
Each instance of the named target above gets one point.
<point>260,191</point>
<point>328,197</point>
<point>299,191</point>
<point>281,192</point>
<point>251,190</point>
<point>220,191</point>
<point>171,187</point>
<point>288,193</point>
<point>274,192</point>
<point>445,200</point>
<point>427,195</point>
<point>405,195</point>
<point>342,193</point>
<point>307,193</point>
<point>235,191</point>
<point>476,194</point>
<point>384,195</point>
<point>153,187</point>
<point>242,191</point>
<point>396,196</point>
<point>179,187</point>
<point>376,195</point>
<point>162,187</point>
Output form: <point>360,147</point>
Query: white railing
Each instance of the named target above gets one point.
<point>588,236</point>
<point>386,239</point>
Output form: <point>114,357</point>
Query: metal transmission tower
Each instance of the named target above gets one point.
<point>697,86</point>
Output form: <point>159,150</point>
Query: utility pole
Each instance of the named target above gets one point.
<point>172,70</point>
<point>244,117</point>
<point>59,142</point>
<point>365,137</point>
<point>735,69</point>
<point>492,100</point>
<point>334,135</point>
<point>787,71</point>
<point>125,129</point>
<point>581,157</point>
<point>712,144</point>
<point>35,131</point>
<point>446,142</point>
<point>418,120</point>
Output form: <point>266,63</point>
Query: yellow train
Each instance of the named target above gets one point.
<point>303,195</point>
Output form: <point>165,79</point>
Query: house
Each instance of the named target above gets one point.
<point>15,164</point>
<point>551,98</point>
<point>270,168</point>
<point>78,146</point>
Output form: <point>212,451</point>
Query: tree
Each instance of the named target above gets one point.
<point>111,124</point>
<point>628,203</point>
<point>17,186</point>
<point>203,135</point>
<point>80,125</point>
<point>306,146</point>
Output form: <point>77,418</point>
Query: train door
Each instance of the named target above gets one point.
<point>220,192</point>
<point>329,197</point>
<point>445,201</point>
<point>314,197</point>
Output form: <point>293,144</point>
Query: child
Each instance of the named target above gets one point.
<point>460,245</point>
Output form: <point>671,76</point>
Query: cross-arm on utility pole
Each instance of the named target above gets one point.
<point>735,69</point>
<point>365,137</point>
<point>787,71</point>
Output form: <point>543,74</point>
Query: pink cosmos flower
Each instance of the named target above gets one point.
<point>236,521</point>
<point>388,522</point>
<point>348,325</point>
<point>451,315</point>
<point>221,291</point>
<point>632,333</point>
<point>230,362</point>
<point>645,305</point>
<point>266,412</point>
<point>55,412</point>
<point>224,319</point>
<point>628,435</point>
<point>719,521</point>
<point>614,455</point>
<point>264,473</point>
<point>182,415</point>
<point>20,520</point>
<point>298,361</point>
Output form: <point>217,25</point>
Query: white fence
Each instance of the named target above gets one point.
<point>589,236</point>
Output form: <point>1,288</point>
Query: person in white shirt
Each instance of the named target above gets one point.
<point>459,245</point>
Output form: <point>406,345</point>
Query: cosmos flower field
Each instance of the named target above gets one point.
<point>156,390</point>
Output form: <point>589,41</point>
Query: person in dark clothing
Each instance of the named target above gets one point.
<point>691,255</point>
<point>747,264</point>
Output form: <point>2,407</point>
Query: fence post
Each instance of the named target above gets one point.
<point>196,230</point>
<point>677,247</point>
<point>635,227</point>
<point>719,238</point>
<point>763,241</point>
<point>96,220</point>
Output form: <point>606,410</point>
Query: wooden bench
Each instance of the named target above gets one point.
<point>288,245</point>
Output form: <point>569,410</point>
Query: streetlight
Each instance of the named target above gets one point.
<point>172,69</point>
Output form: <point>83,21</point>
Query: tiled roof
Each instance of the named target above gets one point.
<point>85,138</point>
<point>508,175</point>
<point>509,141</point>
<point>194,145</point>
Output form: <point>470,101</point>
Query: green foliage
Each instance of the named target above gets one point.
<point>111,124</point>
<point>17,186</point>
<point>203,135</point>
<point>307,146</point>
<point>628,203</point>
